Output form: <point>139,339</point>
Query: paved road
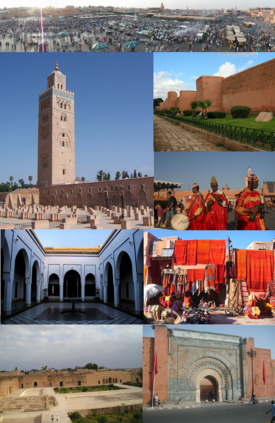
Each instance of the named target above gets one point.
<point>212,413</point>
<point>170,137</point>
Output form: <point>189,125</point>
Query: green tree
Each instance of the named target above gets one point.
<point>135,174</point>
<point>30,179</point>
<point>194,106</point>
<point>44,368</point>
<point>118,175</point>
<point>139,175</point>
<point>206,104</point>
<point>21,182</point>
<point>100,175</point>
<point>11,179</point>
<point>140,373</point>
<point>157,102</point>
<point>91,366</point>
<point>82,179</point>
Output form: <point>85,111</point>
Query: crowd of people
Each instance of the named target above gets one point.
<point>154,35</point>
<point>211,212</point>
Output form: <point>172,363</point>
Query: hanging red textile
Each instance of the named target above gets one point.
<point>200,274</point>
<point>180,252</point>
<point>210,277</point>
<point>260,267</point>
<point>217,257</point>
<point>192,252</point>
<point>203,251</point>
<point>191,275</point>
<point>240,264</point>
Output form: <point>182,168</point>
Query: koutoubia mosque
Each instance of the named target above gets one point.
<point>56,181</point>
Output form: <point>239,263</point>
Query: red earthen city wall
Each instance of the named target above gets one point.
<point>262,355</point>
<point>254,87</point>
<point>159,344</point>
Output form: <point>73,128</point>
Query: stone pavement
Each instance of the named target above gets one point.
<point>170,137</point>
<point>50,314</point>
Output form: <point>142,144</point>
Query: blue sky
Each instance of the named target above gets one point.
<point>181,70</point>
<point>76,238</point>
<point>261,334</point>
<point>29,347</point>
<point>238,238</point>
<point>229,168</point>
<point>113,111</point>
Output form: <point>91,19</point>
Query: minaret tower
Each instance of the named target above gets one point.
<point>249,173</point>
<point>56,137</point>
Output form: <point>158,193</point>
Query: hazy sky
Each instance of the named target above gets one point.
<point>31,347</point>
<point>229,168</point>
<point>113,111</point>
<point>78,238</point>
<point>173,4</point>
<point>263,335</point>
<point>239,239</point>
<point>180,72</point>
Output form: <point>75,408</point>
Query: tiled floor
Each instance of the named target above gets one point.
<point>50,314</point>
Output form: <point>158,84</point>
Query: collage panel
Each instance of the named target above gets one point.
<point>164,196</point>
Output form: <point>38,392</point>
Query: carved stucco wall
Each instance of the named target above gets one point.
<point>195,355</point>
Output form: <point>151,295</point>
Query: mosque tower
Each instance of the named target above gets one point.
<point>56,135</point>
<point>249,172</point>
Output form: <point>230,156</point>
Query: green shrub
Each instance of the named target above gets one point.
<point>111,385</point>
<point>137,416</point>
<point>216,115</point>
<point>119,418</point>
<point>240,111</point>
<point>76,415</point>
<point>80,420</point>
<point>190,112</point>
<point>101,419</point>
<point>126,410</point>
<point>85,389</point>
<point>94,414</point>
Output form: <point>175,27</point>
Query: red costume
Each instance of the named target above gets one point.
<point>217,217</point>
<point>195,205</point>
<point>247,199</point>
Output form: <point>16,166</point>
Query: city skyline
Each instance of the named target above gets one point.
<point>174,4</point>
<point>29,347</point>
<point>229,168</point>
<point>110,92</point>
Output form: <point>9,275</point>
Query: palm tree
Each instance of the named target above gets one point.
<point>100,175</point>
<point>201,105</point>
<point>194,105</point>
<point>11,179</point>
<point>21,182</point>
<point>206,103</point>
<point>30,179</point>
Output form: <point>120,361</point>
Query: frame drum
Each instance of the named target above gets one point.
<point>180,222</point>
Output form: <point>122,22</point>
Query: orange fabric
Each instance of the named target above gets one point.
<point>217,257</point>
<point>210,275</point>
<point>203,251</point>
<point>192,252</point>
<point>191,275</point>
<point>200,274</point>
<point>180,252</point>
<point>146,269</point>
<point>260,268</point>
<point>240,264</point>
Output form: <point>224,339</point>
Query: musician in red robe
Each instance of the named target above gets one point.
<point>248,207</point>
<point>195,209</point>
<point>216,212</point>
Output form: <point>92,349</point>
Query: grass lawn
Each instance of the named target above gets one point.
<point>128,417</point>
<point>248,122</point>
<point>78,389</point>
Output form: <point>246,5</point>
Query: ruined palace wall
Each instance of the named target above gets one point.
<point>210,87</point>
<point>8,386</point>
<point>254,87</point>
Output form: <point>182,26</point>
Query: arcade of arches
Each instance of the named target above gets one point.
<point>28,275</point>
<point>198,365</point>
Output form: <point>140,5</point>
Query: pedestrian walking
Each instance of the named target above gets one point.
<point>57,417</point>
<point>52,417</point>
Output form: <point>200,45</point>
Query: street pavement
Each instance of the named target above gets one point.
<point>212,413</point>
<point>170,137</point>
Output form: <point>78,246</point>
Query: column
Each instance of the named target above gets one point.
<point>38,291</point>
<point>138,281</point>
<point>61,282</point>
<point>116,292</point>
<point>82,283</point>
<point>28,291</point>
<point>9,279</point>
<point>105,294</point>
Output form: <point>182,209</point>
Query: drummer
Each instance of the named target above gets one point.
<point>195,208</point>
<point>170,211</point>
